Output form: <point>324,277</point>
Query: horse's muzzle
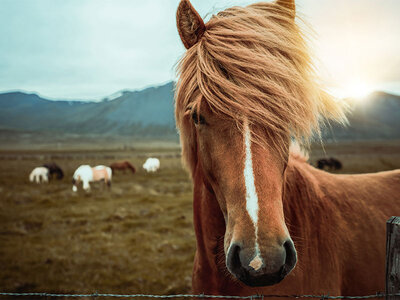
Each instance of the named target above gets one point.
<point>272,269</point>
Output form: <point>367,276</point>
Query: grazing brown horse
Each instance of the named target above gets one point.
<point>123,166</point>
<point>267,222</point>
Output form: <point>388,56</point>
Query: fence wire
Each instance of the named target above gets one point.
<point>377,295</point>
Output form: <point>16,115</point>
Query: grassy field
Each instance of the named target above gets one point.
<point>135,238</point>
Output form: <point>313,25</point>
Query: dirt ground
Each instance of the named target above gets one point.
<point>136,237</point>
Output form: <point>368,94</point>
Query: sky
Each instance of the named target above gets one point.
<point>89,49</point>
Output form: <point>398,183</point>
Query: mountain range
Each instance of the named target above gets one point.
<point>375,117</point>
<point>145,113</point>
<point>149,113</point>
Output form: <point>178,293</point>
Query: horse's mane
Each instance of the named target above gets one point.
<point>253,62</point>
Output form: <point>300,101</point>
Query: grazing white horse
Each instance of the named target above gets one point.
<point>86,174</point>
<point>151,164</point>
<point>39,174</point>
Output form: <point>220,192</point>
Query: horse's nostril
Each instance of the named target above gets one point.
<point>291,256</point>
<point>233,259</point>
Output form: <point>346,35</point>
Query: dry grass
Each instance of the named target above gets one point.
<point>135,238</point>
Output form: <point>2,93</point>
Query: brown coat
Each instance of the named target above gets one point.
<point>337,223</point>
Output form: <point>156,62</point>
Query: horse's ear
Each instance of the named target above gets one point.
<point>190,25</point>
<point>288,5</point>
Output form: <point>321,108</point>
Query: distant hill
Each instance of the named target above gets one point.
<point>375,117</point>
<point>149,113</point>
<point>146,113</point>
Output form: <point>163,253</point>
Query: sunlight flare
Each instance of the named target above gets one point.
<point>357,89</point>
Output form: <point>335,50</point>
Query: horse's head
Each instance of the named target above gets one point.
<point>74,184</point>
<point>245,87</point>
<point>60,173</point>
<point>247,179</point>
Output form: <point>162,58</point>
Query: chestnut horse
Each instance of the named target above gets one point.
<point>266,221</point>
<point>122,165</point>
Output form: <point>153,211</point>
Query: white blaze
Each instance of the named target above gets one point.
<point>251,194</point>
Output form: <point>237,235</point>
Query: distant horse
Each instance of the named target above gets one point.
<point>151,164</point>
<point>329,163</point>
<point>245,89</point>
<point>122,165</point>
<point>39,174</point>
<point>55,170</point>
<point>86,174</point>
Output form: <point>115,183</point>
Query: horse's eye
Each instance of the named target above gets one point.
<point>198,119</point>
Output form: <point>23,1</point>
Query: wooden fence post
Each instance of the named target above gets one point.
<point>393,257</point>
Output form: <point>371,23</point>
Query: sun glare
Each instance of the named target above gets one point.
<point>357,90</point>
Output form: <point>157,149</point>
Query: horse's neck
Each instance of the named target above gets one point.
<point>311,211</point>
<point>302,197</point>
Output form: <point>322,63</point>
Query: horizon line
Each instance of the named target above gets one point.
<point>28,92</point>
